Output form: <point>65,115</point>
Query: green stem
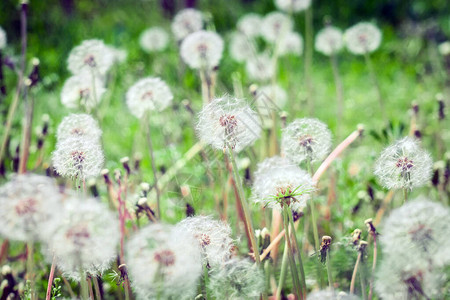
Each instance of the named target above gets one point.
<point>282,272</point>
<point>339,90</point>
<point>328,262</point>
<point>30,269</point>
<point>363,281</point>
<point>205,282</point>
<point>152,158</point>
<point>309,55</point>
<point>299,253</point>
<point>83,285</point>
<point>405,195</point>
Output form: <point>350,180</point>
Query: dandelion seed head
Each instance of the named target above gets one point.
<point>165,260</point>
<point>250,25</point>
<point>86,236</point>
<point>90,56</point>
<point>241,48</point>
<point>202,49</point>
<point>329,40</point>
<point>363,37</point>
<point>186,22</point>
<point>214,238</point>
<point>269,99</point>
<point>330,295</point>
<point>28,203</point>
<point>404,164</point>
<point>154,39</point>
<point>293,5</point>
<point>82,90</point>
<point>237,279</point>
<point>260,67</point>
<point>77,157</point>
<point>3,39</point>
<point>148,94</point>
<point>275,26</point>
<point>79,125</point>
<point>291,43</point>
<point>228,122</point>
<point>306,139</point>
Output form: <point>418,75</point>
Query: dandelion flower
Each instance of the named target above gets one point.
<point>306,139</point>
<point>241,47</point>
<point>291,43</point>
<point>275,26</point>
<point>78,157</point>
<point>250,25</point>
<point>362,38</point>
<point>186,22</point>
<point>202,49</point>
<point>2,38</point>
<point>92,56</point>
<point>154,39</point>
<point>228,122</point>
<point>237,279</point>
<point>329,40</point>
<point>165,261</point>
<point>279,182</point>
<point>82,90</point>
<point>260,67</point>
<point>79,125</point>
<point>86,238</point>
<point>28,206</point>
<point>404,165</point>
<point>293,5</point>
<point>148,94</point>
<point>214,238</point>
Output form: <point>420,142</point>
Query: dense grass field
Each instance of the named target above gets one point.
<point>122,218</point>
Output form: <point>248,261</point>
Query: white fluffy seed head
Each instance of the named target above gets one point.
<point>404,164</point>
<point>275,26</point>
<point>241,47</point>
<point>237,279</point>
<point>79,125</point>
<point>163,260</point>
<point>91,56</point>
<point>291,43</point>
<point>330,295</point>
<point>78,157</point>
<point>154,39</point>
<point>293,5</point>
<point>250,25</point>
<point>329,40</point>
<point>279,182</point>
<point>362,38</point>
<point>228,122</point>
<point>82,90</point>
<point>214,238</point>
<point>86,237</point>
<point>269,100</point>
<point>260,67</point>
<point>202,50</point>
<point>306,139</point>
<point>3,40</point>
<point>186,22</point>
<point>28,204</point>
<point>148,94</point>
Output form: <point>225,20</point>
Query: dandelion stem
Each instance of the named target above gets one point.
<point>50,279</point>
<point>339,90</point>
<point>97,288</point>
<point>376,84</point>
<point>30,269</point>
<point>26,132</point>
<point>355,270</point>
<point>91,291</point>
<point>152,158</point>
<point>309,55</point>
<point>405,195</point>
<point>299,253</point>
<point>363,281</point>
<point>83,285</point>
<point>330,278</point>
<point>282,272</point>
<point>374,264</point>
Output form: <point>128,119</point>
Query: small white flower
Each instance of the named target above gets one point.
<point>79,125</point>
<point>92,56</point>
<point>293,5</point>
<point>260,67</point>
<point>362,38</point>
<point>2,38</point>
<point>148,94</point>
<point>78,157</point>
<point>202,49</point>
<point>241,47</point>
<point>82,90</point>
<point>291,43</point>
<point>228,123</point>
<point>275,26</point>
<point>154,39</point>
<point>329,40</point>
<point>306,139</point>
<point>404,165</point>
<point>250,25</point>
<point>186,22</point>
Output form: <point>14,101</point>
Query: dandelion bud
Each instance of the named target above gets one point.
<point>28,205</point>
<point>292,5</point>
<point>404,165</point>
<point>228,122</point>
<point>187,104</point>
<point>441,107</point>
<point>370,227</point>
<point>202,50</point>
<point>83,90</point>
<point>237,279</point>
<point>329,41</point>
<point>306,140</point>
<point>142,201</point>
<point>362,38</point>
<point>275,26</point>
<point>163,262</point>
<point>145,187</point>
<point>92,184</point>
<point>77,157</point>
<point>154,39</point>
<point>260,67</point>
<point>137,161</point>
<point>6,269</point>
<point>92,56</point>
<point>356,236</point>
<point>2,38</point>
<point>79,125</point>
<point>250,25</point>
<point>186,22</point>
<point>124,161</point>
<point>148,94</point>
